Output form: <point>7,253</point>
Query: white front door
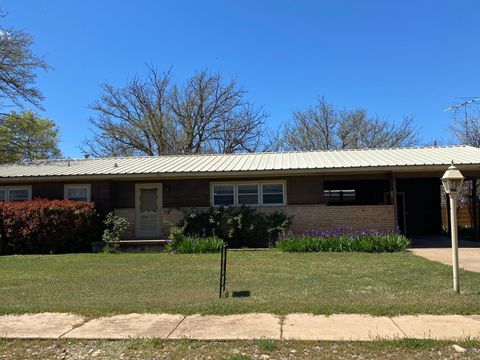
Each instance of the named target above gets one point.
<point>148,203</point>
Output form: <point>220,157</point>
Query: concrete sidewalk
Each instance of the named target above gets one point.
<point>245,326</point>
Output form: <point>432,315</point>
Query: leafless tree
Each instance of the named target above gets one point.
<point>135,119</point>
<point>357,131</point>
<point>243,132</point>
<point>324,127</point>
<point>18,66</point>
<point>152,116</point>
<point>465,124</point>
<point>313,128</point>
<point>214,117</point>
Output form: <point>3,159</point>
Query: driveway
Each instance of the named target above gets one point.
<point>439,249</point>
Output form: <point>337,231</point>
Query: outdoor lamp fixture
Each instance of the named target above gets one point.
<point>452,182</point>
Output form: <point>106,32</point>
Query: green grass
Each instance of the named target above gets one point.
<point>235,350</point>
<point>321,283</point>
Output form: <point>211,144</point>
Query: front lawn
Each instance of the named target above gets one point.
<point>101,284</point>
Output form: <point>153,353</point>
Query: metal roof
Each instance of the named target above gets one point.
<point>242,164</point>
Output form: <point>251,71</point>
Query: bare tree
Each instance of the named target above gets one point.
<point>324,127</point>
<point>18,66</point>
<point>151,116</point>
<point>243,132</point>
<point>313,128</point>
<point>357,131</point>
<point>465,124</point>
<point>214,116</point>
<point>134,120</point>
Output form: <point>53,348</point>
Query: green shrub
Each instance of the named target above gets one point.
<point>183,244</point>
<point>239,227</point>
<point>371,243</point>
<point>114,228</point>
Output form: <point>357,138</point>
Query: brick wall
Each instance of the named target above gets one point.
<point>306,217</point>
<point>129,215</point>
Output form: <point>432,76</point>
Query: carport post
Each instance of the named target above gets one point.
<point>393,194</point>
<point>476,234</point>
<point>452,182</point>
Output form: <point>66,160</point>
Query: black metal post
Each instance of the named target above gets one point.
<point>223,270</point>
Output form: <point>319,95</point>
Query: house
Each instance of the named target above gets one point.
<point>378,188</point>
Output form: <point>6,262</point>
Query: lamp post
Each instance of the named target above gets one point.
<point>452,182</point>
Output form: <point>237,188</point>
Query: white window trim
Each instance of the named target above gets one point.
<point>9,188</point>
<point>238,194</point>
<point>284,189</point>
<point>260,192</point>
<point>212,193</point>
<point>74,186</point>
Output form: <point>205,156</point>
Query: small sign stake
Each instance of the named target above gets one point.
<point>223,271</point>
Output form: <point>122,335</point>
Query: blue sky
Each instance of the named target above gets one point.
<point>390,57</point>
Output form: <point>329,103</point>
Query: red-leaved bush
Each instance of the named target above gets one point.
<point>47,226</point>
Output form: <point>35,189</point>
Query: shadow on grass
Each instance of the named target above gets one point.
<point>241,294</point>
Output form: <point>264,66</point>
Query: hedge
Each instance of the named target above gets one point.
<point>47,226</point>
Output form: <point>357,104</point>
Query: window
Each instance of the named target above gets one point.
<point>339,196</point>
<point>16,193</point>
<point>248,194</point>
<point>223,195</point>
<point>77,192</point>
<point>272,194</point>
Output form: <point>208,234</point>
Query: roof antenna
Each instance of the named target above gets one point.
<point>68,162</point>
<point>115,165</point>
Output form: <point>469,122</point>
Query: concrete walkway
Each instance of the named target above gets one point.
<point>246,326</point>
<point>468,258</point>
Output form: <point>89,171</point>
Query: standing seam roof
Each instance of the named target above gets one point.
<point>242,163</point>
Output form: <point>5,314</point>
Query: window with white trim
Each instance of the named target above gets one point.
<point>248,194</point>
<point>77,192</point>
<point>15,193</point>
<point>272,194</point>
<point>223,195</point>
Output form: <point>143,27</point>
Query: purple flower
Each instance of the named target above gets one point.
<point>346,231</point>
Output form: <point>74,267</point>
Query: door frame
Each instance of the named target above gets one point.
<point>138,186</point>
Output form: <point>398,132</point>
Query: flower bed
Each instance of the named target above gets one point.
<point>182,244</point>
<point>343,240</point>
